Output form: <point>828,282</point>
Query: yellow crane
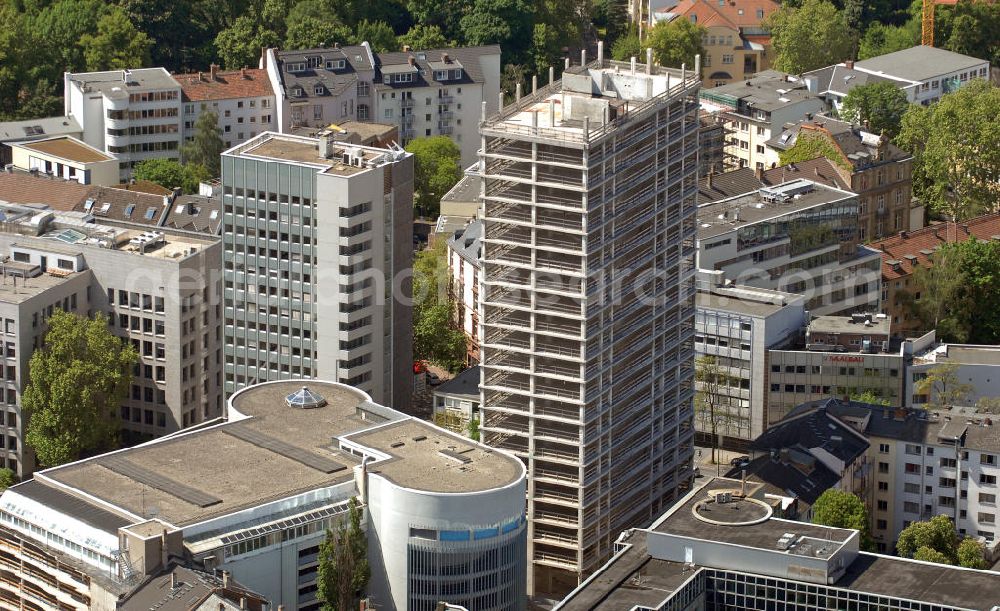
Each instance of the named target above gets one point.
<point>927,20</point>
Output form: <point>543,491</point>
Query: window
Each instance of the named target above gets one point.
<point>883,448</point>
<point>912,468</point>
<point>883,505</point>
<point>883,486</point>
<point>988,459</point>
<point>913,450</point>
<point>987,480</point>
<point>987,518</point>
<point>881,524</point>
<point>883,467</point>
<point>727,58</point>
<point>335,64</point>
<point>987,499</point>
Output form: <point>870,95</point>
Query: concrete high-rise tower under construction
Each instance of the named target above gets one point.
<point>587,303</point>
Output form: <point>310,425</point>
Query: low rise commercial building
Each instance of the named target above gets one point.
<point>755,110</point>
<point>444,515</point>
<point>67,158</point>
<point>735,328</point>
<point>13,132</point>
<point>721,548</point>
<point>842,356</point>
<point>159,287</point>
<point>923,73</point>
<point>798,237</point>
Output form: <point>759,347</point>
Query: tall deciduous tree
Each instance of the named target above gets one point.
<point>956,159</point>
<point>343,571</point>
<point>937,534</point>
<point>379,35</point>
<point>676,42</point>
<point>436,171</point>
<point>936,299</point>
<point>970,554</point>
<point>205,147</point>
<point>508,23</point>
<point>626,47</point>
<point>117,45</point>
<point>878,106</point>
<point>169,174</point>
<point>435,336</point>
<point>425,37</point>
<point>811,36</point>
<point>708,398</point>
<point>7,478</point>
<point>880,39</point>
<point>239,45</point>
<point>843,510</point>
<point>77,381</point>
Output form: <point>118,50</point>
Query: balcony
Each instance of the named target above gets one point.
<point>406,103</point>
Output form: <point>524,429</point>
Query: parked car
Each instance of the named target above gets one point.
<point>740,461</point>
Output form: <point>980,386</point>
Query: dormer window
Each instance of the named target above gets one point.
<point>315,61</point>
<point>456,74</point>
<point>335,64</point>
<point>297,92</point>
<point>318,89</point>
<point>296,67</point>
<point>440,75</point>
<point>404,78</point>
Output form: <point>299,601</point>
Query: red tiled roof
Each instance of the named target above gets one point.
<point>733,13</point>
<point>58,194</point>
<point>911,243</point>
<point>229,84</point>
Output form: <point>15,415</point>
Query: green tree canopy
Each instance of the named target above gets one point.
<point>443,14</point>
<point>676,42</point>
<point>343,571</point>
<point>205,147</point>
<point>117,45</point>
<point>7,478</point>
<point>169,174</point>
<point>929,554</point>
<point>77,381</point>
<point>239,45</point>
<point>435,336</point>
<point>956,159</point>
<point>310,32</point>
<point>508,23</point>
<point>878,106</point>
<point>881,39</point>
<point>379,35</point>
<point>870,397</point>
<point>971,554</point>
<point>626,47</point>
<point>436,171</point>
<point>425,37</point>
<point>843,510</point>
<point>937,534</point>
<point>811,36</point>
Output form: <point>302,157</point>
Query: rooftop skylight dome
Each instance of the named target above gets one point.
<point>305,399</point>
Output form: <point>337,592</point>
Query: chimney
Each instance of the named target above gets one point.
<point>849,64</point>
<point>406,48</point>
<point>201,76</point>
<point>900,414</point>
<point>411,60</point>
<point>336,45</point>
<point>708,177</point>
<point>759,173</point>
<point>243,602</point>
<point>243,73</point>
<point>173,580</point>
<point>600,52</point>
<point>583,57</point>
<point>213,70</point>
<point>446,58</point>
<point>225,579</point>
<point>164,551</point>
<point>816,171</point>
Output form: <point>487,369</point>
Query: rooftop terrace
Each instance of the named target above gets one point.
<point>324,153</point>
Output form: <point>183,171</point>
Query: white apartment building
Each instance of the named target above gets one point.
<point>317,87</point>
<point>589,187</point>
<point>254,496</point>
<point>798,237</point>
<point>438,92</point>
<point>757,109</point>
<point>131,114</point>
<point>243,100</point>
<point>737,327</point>
<point>923,73</point>
<point>317,245</point>
<point>425,93</point>
<point>465,267</point>
<point>976,366</point>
